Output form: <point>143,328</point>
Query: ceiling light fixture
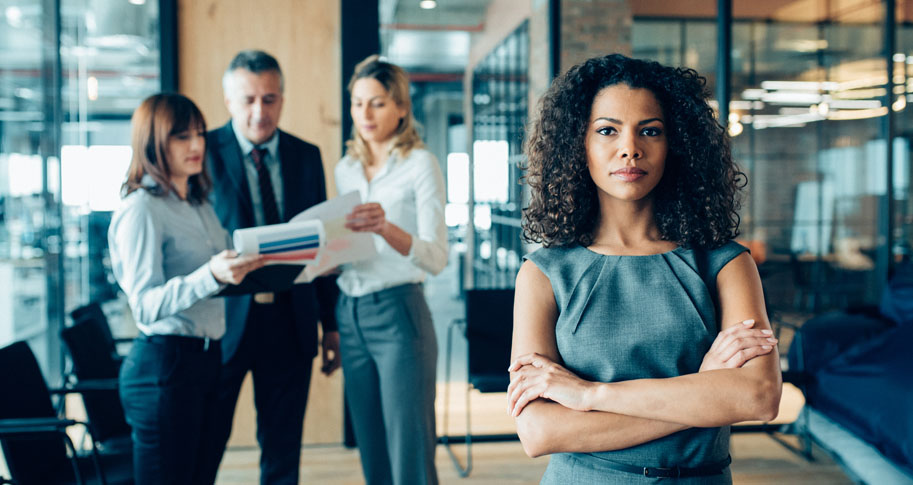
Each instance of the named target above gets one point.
<point>427,4</point>
<point>858,114</point>
<point>13,16</point>
<point>92,88</point>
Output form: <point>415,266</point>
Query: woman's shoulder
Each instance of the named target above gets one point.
<point>346,168</point>
<point>420,156</point>
<point>422,153</point>
<point>553,251</point>
<point>564,267</point>
<point>548,259</point>
<point>709,261</point>
<point>149,200</point>
<point>137,199</point>
<point>727,252</point>
<point>345,161</point>
<point>421,167</point>
<point>138,208</point>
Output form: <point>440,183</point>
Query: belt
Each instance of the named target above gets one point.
<point>270,297</point>
<point>393,291</point>
<point>674,472</point>
<point>197,344</point>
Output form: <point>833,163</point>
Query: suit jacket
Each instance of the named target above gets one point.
<point>303,185</point>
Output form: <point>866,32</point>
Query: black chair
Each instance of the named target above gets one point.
<point>33,438</point>
<point>93,312</point>
<point>94,367</point>
<point>488,329</point>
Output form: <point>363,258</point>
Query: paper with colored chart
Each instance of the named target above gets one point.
<point>288,243</point>
<point>341,245</point>
<point>316,238</point>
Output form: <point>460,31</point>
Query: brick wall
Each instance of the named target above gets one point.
<point>591,28</point>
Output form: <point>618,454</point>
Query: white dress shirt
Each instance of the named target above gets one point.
<point>411,191</point>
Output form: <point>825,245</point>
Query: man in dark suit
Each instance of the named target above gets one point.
<point>263,175</point>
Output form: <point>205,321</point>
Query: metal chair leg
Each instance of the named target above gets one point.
<point>73,457</point>
<point>463,471</point>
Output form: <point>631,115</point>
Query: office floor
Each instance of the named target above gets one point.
<point>757,459</point>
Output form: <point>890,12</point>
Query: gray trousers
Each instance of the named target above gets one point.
<point>389,359</point>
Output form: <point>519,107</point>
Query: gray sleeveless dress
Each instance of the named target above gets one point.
<point>632,317</point>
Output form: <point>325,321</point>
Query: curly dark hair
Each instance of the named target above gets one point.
<point>696,202</point>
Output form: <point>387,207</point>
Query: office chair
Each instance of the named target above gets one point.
<point>94,313</point>
<point>95,368</point>
<point>33,438</point>
<point>488,329</point>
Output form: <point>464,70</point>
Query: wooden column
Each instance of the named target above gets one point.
<point>305,38</point>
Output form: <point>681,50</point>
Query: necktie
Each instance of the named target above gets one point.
<point>267,195</point>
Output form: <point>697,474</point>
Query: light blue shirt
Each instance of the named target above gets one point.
<point>160,248</point>
<point>253,179</point>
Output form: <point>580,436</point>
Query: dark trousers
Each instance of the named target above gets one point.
<point>270,349</point>
<point>168,385</point>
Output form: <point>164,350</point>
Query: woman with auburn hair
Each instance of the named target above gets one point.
<point>640,332</point>
<point>387,341</point>
<point>169,255</point>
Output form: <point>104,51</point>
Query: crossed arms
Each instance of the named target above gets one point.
<point>556,411</point>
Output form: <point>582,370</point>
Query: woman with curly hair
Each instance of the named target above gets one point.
<point>640,332</point>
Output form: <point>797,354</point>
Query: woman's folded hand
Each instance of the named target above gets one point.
<point>534,376</point>
<point>736,345</point>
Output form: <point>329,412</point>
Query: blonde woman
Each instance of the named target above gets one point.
<point>388,346</point>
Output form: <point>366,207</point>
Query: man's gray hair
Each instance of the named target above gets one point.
<point>255,61</point>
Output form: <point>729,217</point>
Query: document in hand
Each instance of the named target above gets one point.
<point>316,238</point>
<point>290,243</point>
<point>341,245</point>
<point>286,247</point>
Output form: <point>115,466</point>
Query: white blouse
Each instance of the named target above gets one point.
<point>411,191</point>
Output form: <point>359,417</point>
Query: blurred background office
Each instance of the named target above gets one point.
<point>814,92</point>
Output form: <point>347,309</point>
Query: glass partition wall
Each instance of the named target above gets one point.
<point>902,107</point>
<point>808,139</point>
<point>825,214</point>
<point>812,90</point>
<point>71,73</point>
<point>500,92</point>
<point>809,120</point>
<point>111,61</point>
<point>809,116</point>
<point>29,221</point>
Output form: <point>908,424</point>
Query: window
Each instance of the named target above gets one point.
<point>64,149</point>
